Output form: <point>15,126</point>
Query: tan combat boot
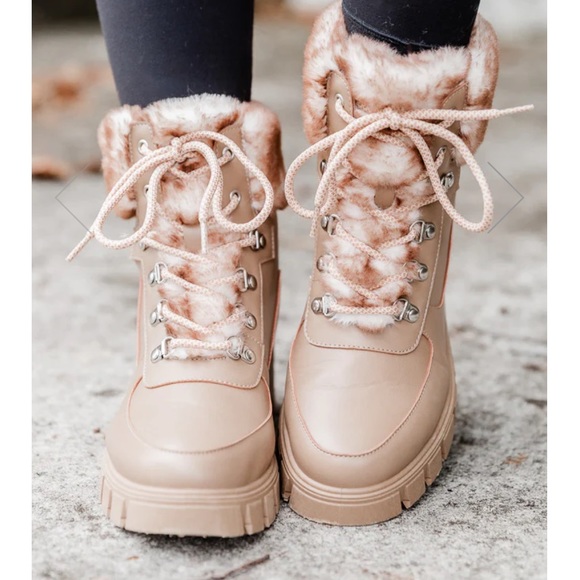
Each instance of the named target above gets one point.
<point>191,451</point>
<point>370,395</point>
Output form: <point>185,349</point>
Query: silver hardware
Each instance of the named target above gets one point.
<point>441,151</point>
<point>323,262</point>
<point>142,147</point>
<point>238,350</point>
<point>322,305</point>
<point>227,152</point>
<point>422,271</point>
<point>156,316</point>
<point>235,350</point>
<point>143,246</point>
<point>259,241</point>
<point>250,282</point>
<point>156,275</point>
<point>409,312</point>
<point>323,164</point>
<point>328,223</point>
<point>161,351</point>
<point>235,197</point>
<point>425,230</point>
<point>339,98</point>
<point>248,355</point>
<point>250,321</point>
<point>447,180</point>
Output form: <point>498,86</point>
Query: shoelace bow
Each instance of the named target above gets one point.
<point>414,125</point>
<point>161,161</point>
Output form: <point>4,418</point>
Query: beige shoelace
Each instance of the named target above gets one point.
<point>161,161</point>
<point>412,125</point>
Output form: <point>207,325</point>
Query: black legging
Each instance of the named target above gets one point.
<point>174,48</point>
<point>412,25</point>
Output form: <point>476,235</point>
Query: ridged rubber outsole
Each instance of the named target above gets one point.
<point>219,513</point>
<point>364,506</point>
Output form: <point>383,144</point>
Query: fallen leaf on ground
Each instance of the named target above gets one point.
<point>46,167</point>
<point>67,85</point>
<point>516,459</point>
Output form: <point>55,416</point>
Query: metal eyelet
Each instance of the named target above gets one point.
<point>323,261</point>
<point>146,190</point>
<point>235,350</point>
<point>425,230</point>
<point>409,312</point>
<point>322,166</point>
<point>236,197</point>
<point>328,223</point>
<point>447,180</point>
<point>238,350</point>
<point>162,351</point>
<point>259,241</point>
<point>339,99</point>
<point>322,305</point>
<point>248,355</point>
<point>156,317</point>
<point>156,275</point>
<point>143,147</point>
<point>250,321</point>
<point>441,151</point>
<point>227,152</point>
<point>250,282</point>
<point>143,246</point>
<point>421,270</point>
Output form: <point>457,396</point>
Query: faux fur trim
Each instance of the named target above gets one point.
<point>180,197</point>
<point>354,206</point>
<point>170,118</point>
<point>379,77</point>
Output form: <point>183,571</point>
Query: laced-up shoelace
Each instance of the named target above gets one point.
<point>161,161</point>
<point>413,125</point>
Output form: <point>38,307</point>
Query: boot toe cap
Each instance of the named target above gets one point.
<point>361,429</point>
<point>192,435</point>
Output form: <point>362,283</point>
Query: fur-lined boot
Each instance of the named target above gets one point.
<point>191,451</point>
<point>370,393</point>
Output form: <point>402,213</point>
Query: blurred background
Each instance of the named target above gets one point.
<point>483,518</point>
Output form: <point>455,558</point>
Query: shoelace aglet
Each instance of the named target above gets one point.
<point>523,108</point>
<point>79,247</point>
<point>515,110</point>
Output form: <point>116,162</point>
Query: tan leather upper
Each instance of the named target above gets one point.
<point>204,423</point>
<point>360,406</point>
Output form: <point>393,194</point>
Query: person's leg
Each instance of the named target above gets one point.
<point>191,451</point>
<point>174,48</point>
<point>412,25</point>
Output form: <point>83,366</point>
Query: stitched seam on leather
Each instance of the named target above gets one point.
<point>196,379</point>
<point>207,452</point>
<point>460,86</point>
<point>383,443</point>
<point>423,320</point>
<point>189,379</point>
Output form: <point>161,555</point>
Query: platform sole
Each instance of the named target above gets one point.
<point>187,512</point>
<point>363,506</point>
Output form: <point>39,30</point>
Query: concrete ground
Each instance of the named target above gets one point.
<point>484,518</point>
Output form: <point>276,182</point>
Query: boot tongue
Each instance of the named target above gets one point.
<point>384,197</point>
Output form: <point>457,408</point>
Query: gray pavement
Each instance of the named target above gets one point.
<point>484,518</point>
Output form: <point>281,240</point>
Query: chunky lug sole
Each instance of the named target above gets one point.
<point>188,512</point>
<point>370,505</point>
